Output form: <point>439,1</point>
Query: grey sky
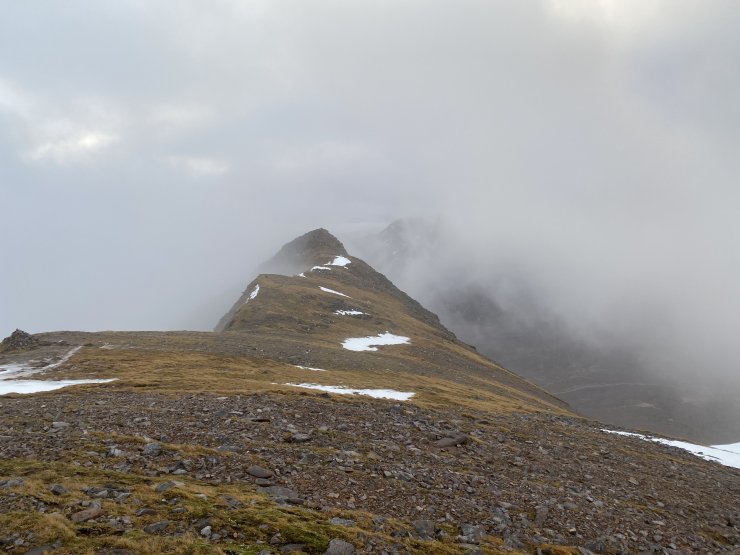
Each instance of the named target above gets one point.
<point>152,152</point>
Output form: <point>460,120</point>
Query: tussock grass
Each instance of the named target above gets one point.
<point>188,372</point>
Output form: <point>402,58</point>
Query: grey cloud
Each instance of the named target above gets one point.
<point>590,147</point>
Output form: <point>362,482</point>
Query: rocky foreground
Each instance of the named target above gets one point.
<point>96,471</point>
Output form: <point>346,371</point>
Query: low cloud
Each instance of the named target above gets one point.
<point>589,148</point>
<point>199,166</point>
<point>324,157</point>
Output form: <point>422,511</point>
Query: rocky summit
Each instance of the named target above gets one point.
<point>18,340</point>
<point>330,413</point>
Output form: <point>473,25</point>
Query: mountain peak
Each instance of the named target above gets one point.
<point>312,248</point>
<point>316,261</point>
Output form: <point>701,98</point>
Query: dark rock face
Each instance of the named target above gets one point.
<point>18,340</point>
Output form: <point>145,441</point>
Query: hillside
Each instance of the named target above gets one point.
<point>330,413</point>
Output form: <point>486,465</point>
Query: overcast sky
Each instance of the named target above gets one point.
<point>151,153</point>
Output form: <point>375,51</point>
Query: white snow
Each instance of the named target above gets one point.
<point>320,268</point>
<point>301,275</point>
<point>340,261</point>
<point>327,290</point>
<point>309,368</point>
<point>370,343</point>
<point>253,294</point>
<point>728,455</point>
<point>9,373</point>
<point>35,386</point>
<point>729,447</point>
<point>342,390</point>
<point>348,312</point>
<point>9,370</point>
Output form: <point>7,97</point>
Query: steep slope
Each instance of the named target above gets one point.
<point>221,443</point>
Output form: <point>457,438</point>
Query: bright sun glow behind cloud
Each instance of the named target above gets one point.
<point>616,15</point>
<point>73,147</point>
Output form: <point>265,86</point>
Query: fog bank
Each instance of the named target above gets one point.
<point>152,155</point>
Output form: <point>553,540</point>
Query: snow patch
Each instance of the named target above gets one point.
<point>309,368</point>
<point>348,312</point>
<point>253,294</point>
<point>327,290</point>
<point>340,261</point>
<point>342,390</point>
<point>10,371</point>
<point>371,343</point>
<point>728,455</point>
<point>35,386</point>
<point>321,268</point>
<point>301,275</point>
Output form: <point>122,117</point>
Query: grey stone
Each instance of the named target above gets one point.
<point>87,514</point>
<point>165,486</point>
<point>540,516</point>
<point>151,450</point>
<point>40,550</point>
<point>57,489</point>
<point>424,528</point>
<point>259,472</point>
<point>469,533</point>
<point>340,547</point>
<point>292,548</point>
<point>452,441</point>
<point>598,545</point>
<point>342,521</point>
<point>157,527</point>
<point>284,495</point>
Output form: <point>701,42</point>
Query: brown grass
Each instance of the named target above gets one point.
<point>180,372</point>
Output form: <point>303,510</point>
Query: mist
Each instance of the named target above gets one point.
<point>152,155</point>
